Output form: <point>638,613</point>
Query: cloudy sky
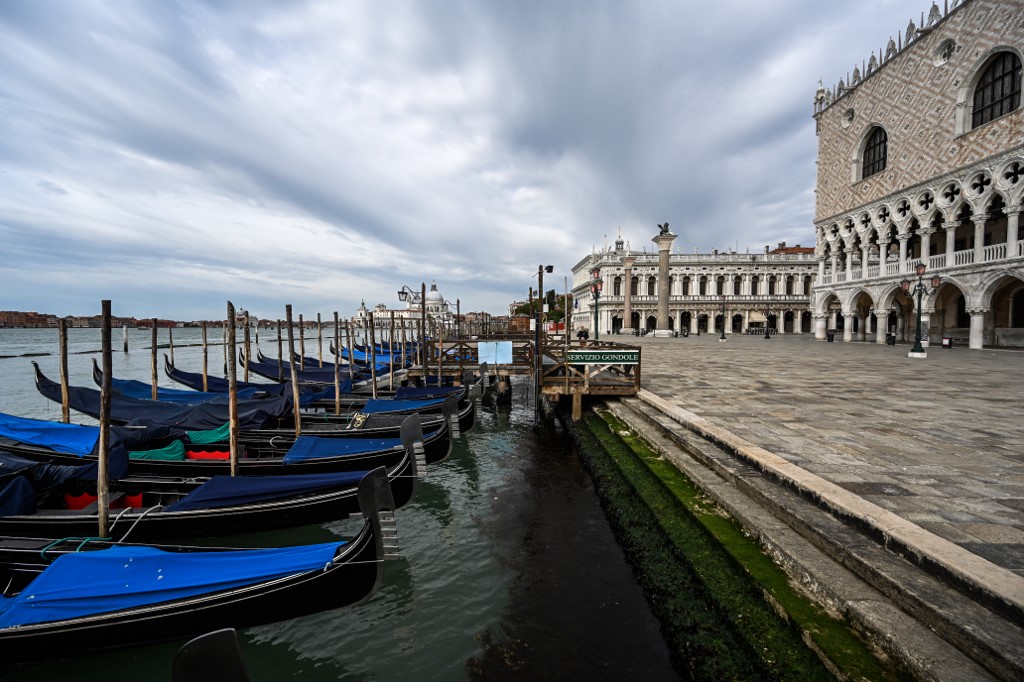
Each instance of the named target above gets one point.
<point>174,155</point>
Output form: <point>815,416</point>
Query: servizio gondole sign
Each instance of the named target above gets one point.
<point>604,357</point>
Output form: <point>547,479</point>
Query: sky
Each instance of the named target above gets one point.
<point>175,155</point>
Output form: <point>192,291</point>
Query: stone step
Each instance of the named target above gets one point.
<point>910,615</point>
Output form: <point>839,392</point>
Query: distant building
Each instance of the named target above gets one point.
<point>437,308</point>
<point>921,161</point>
<point>769,290</point>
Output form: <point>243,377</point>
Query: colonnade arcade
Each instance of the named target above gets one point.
<point>971,310</point>
<point>702,319</point>
<point>963,227</point>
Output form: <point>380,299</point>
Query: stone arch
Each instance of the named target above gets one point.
<point>826,300</point>
<point>964,109</point>
<point>951,196</point>
<point>984,292</point>
<point>924,201</point>
<point>1010,178</point>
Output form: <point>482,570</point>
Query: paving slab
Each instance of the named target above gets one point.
<point>937,441</point>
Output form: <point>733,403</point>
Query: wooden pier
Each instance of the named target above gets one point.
<point>565,368</point>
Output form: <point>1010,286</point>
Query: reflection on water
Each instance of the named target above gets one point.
<point>508,568</point>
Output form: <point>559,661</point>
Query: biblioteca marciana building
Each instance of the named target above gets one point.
<point>920,177</point>
<point>760,293</point>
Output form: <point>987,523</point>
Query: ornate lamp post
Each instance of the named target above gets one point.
<point>407,294</point>
<point>722,337</point>
<point>919,289</point>
<point>595,289</point>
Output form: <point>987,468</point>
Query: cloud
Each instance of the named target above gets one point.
<point>172,155</point>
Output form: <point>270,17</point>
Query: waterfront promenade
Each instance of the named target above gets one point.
<point>925,456</point>
<point>937,441</point>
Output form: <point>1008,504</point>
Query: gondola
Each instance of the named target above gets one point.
<point>74,597</point>
<point>215,384</point>
<point>256,414</point>
<point>161,451</point>
<point>56,501</point>
<point>324,396</point>
<point>309,375</point>
<point>139,390</point>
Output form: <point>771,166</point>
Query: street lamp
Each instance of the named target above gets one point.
<point>407,294</point>
<point>722,338</point>
<point>767,335</point>
<point>919,289</point>
<point>595,288</point>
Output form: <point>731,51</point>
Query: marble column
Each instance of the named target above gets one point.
<point>979,220</point>
<point>848,327</point>
<point>864,261</point>
<point>664,242</point>
<point>903,252</point>
<point>862,328</point>
<point>627,321</point>
<point>950,227</point>
<point>881,324</point>
<point>926,243</point>
<point>821,268</point>
<point>977,338</point>
<point>1012,229</point>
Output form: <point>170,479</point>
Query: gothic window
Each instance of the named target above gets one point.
<point>876,152</point>
<point>998,91</point>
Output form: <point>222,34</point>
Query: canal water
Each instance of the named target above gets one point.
<point>509,570</point>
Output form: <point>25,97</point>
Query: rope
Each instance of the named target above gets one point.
<point>132,527</point>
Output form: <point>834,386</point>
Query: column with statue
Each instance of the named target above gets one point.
<point>627,321</point>
<point>664,241</point>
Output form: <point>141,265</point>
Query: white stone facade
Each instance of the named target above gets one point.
<point>749,285</point>
<point>949,191</point>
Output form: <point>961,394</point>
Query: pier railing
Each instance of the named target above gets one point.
<point>590,368</point>
<point>577,368</point>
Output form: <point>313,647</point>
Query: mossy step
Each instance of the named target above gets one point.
<point>792,637</point>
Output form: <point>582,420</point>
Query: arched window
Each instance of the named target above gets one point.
<point>998,91</point>
<point>686,286</point>
<point>650,286</point>
<point>618,286</point>
<point>876,152</point>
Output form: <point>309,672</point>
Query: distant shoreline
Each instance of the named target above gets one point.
<point>99,350</point>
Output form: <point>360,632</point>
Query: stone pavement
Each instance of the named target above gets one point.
<point>938,442</point>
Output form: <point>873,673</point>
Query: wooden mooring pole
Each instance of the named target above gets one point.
<point>291,365</point>
<point>152,354</point>
<point>206,360</point>
<point>102,491</point>
<point>62,342</point>
<point>232,392</point>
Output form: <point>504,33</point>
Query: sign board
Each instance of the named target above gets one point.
<point>604,357</point>
<point>495,352</point>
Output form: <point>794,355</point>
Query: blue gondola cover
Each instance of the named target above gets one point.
<point>118,578</point>
<point>229,491</point>
<point>314,447</point>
